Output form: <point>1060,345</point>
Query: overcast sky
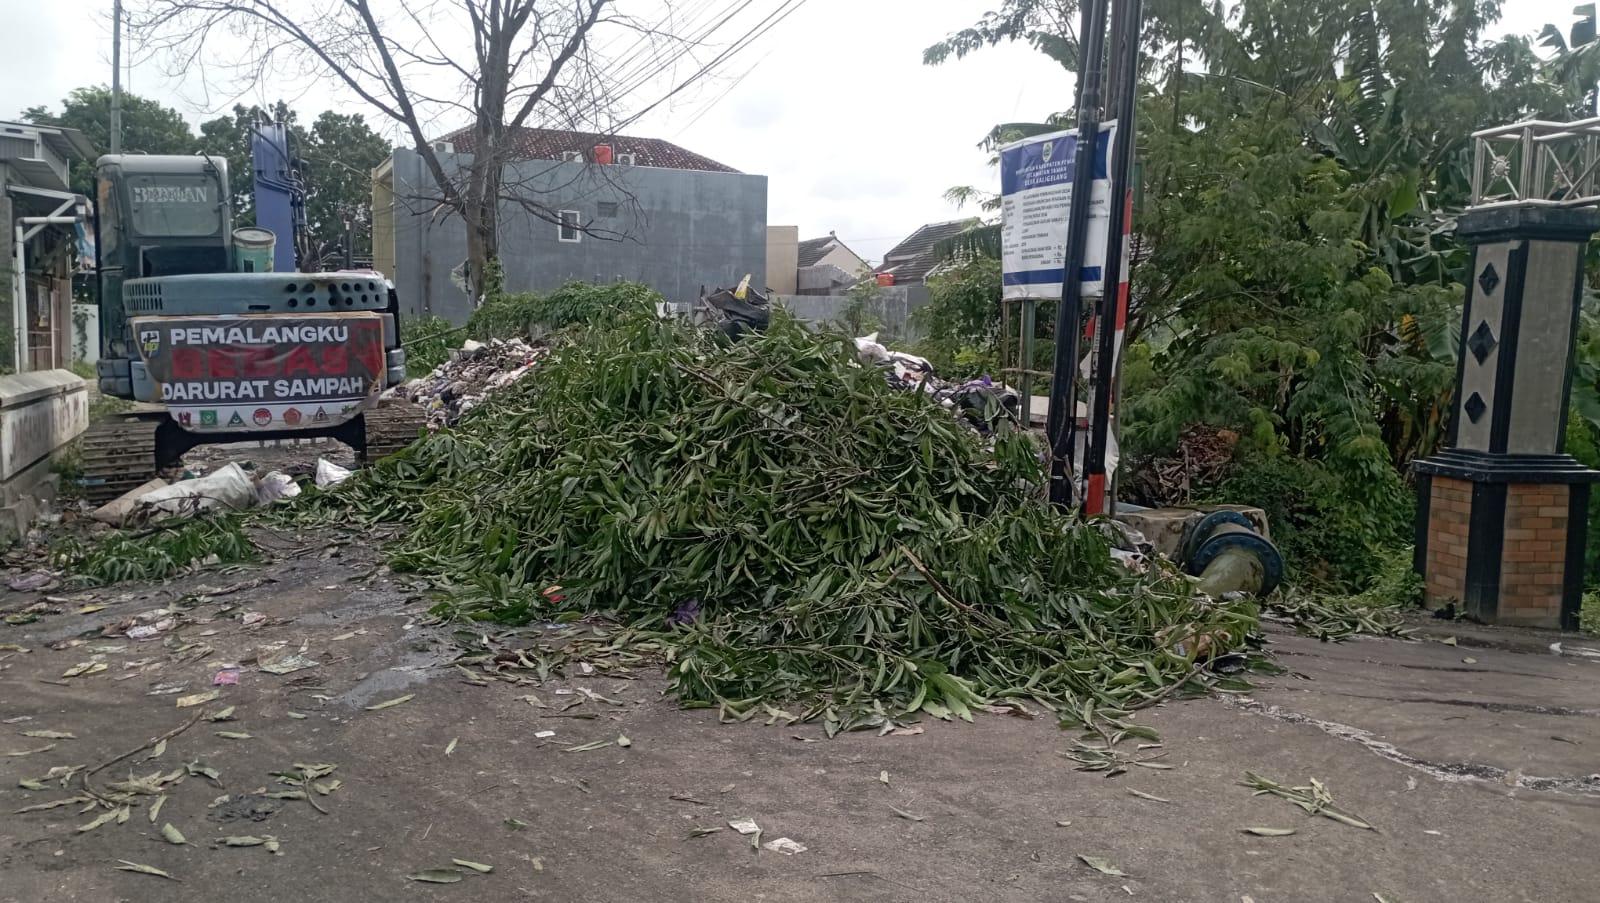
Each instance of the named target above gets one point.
<point>855,134</point>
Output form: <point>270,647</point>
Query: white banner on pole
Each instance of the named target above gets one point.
<point>1036,177</point>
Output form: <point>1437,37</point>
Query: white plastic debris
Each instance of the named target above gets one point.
<point>870,352</point>
<point>274,486</point>
<point>745,826</point>
<point>330,474</point>
<point>116,511</point>
<point>230,488</point>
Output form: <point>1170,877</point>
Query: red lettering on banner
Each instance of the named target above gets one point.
<point>223,363</point>
<point>258,361</point>
<point>335,360</point>
<point>368,342</point>
<point>187,363</point>
<point>299,360</point>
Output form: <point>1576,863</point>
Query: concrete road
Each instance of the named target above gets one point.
<point>1476,763</point>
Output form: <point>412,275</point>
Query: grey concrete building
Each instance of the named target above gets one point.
<point>612,207</point>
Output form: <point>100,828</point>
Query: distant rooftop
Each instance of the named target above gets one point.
<point>554,144</point>
<point>913,259</point>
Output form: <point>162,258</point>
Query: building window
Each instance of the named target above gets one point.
<point>568,230</point>
<point>572,156</point>
<point>607,209</point>
<point>626,159</point>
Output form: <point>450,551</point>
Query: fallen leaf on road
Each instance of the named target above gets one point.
<point>201,769</point>
<point>155,808</point>
<point>84,668</point>
<point>49,735</point>
<point>623,741</point>
<point>475,866</point>
<point>233,735</point>
<point>19,753</point>
<point>1148,796</point>
<point>1064,823</point>
<point>323,788</point>
<point>105,818</point>
<point>907,815</point>
<point>157,751</point>
<point>221,714</point>
<point>1103,866</point>
<point>1269,832</point>
<point>450,747</point>
<point>173,835</point>
<point>1469,660</point>
<point>245,841</point>
<point>515,824</point>
<point>906,731</point>
<point>596,744</point>
<point>272,846</point>
<point>296,716</point>
<point>686,798</point>
<point>1449,641</point>
<point>127,866</point>
<point>39,807</point>
<point>701,832</point>
<point>437,876</point>
<point>185,702</point>
<point>392,703</point>
<point>883,778</point>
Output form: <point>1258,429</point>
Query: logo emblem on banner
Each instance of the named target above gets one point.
<point>262,417</point>
<point>150,342</point>
<point>292,416</point>
<point>208,418</point>
<point>236,420</point>
<point>1045,150</point>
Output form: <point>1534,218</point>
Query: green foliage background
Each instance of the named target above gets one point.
<point>1299,283</point>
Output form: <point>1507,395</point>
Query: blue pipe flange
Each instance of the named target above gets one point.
<point>1233,536</point>
<point>1207,525</point>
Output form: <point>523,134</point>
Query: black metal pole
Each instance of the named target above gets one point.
<point>1125,33</point>
<point>1063,416</point>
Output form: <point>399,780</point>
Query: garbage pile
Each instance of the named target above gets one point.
<point>473,371</point>
<point>785,526</point>
<point>979,403</point>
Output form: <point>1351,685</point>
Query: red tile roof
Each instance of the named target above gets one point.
<point>551,144</point>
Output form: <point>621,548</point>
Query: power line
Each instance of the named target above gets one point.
<point>773,19</point>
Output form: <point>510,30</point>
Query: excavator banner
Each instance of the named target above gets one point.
<point>263,372</point>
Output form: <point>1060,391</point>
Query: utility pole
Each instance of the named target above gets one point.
<point>1063,414</point>
<point>116,76</point>
<point>1126,23</point>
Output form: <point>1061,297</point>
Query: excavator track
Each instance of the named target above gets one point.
<point>119,454</point>
<point>391,426</point>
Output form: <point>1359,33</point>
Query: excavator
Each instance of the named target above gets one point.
<point>213,333</point>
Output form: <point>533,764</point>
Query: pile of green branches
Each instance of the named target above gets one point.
<point>158,552</point>
<point>786,527</point>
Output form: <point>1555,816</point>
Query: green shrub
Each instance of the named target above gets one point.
<point>427,341</point>
<point>507,314</point>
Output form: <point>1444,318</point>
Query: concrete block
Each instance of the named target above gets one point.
<point>39,412</point>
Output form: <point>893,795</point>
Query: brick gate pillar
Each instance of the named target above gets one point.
<point>1502,511</point>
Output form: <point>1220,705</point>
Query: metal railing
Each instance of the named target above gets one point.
<point>1537,162</point>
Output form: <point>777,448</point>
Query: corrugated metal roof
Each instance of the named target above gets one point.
<point>913,259</point>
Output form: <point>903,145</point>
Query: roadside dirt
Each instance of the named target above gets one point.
<point>1477,774</point>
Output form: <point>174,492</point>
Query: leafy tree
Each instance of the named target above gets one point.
<point>1300,281</point>
<point>335,157</point>
<point>147,127</point>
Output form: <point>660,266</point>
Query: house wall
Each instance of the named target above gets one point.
<point>675,230</point>
<point>783,258</point>
<point>844,259</point>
